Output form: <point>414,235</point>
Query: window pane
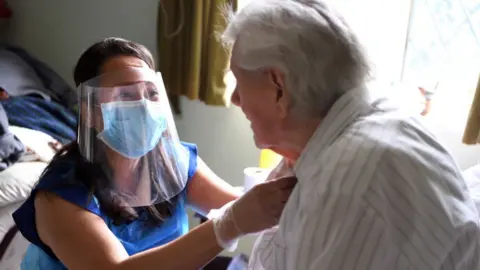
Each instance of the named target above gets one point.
<point>444,46</point>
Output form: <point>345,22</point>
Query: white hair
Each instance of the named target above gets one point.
<point>305,39</point>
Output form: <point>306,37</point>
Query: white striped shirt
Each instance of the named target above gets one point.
<point>376,191</point>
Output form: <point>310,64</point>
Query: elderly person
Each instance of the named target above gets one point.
<point>376,189</point>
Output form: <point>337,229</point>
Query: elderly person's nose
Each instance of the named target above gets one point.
<point>235,97</point>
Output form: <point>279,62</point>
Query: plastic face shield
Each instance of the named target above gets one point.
<point>127,128</point>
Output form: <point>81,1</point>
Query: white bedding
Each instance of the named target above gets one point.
<point>16,183</point>
<point>37,141</point>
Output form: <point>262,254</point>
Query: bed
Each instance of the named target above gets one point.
<point>36,117</point>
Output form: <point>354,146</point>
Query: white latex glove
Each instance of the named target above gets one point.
<point>216,215</point>
<point>260,256</point>
<point>283,168</point>
<point>257,210</point>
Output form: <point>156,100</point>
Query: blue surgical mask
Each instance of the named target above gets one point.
<point>132,128</point>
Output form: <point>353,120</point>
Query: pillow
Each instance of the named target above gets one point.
<point>36,141</point>
<point>17,181</point>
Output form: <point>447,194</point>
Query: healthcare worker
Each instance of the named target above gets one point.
<point>116,198</point>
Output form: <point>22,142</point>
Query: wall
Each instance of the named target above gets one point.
<point>57,31</point>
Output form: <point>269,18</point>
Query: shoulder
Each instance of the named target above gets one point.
<point>192,152</point>
<point>57,183</point>
<point>412,176</point>
<point>189,146</point>
<point>379,146</point>
<point>380,138</point>
<point>347,165</point>
<point>60,178</point>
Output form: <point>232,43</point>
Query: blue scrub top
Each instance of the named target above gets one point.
<point>135,236</point>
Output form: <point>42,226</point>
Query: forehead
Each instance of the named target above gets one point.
<point>122,62</point>
<point>122,70</point>
<point>122,78</point>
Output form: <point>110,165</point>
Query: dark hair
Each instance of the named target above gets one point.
<point>92,174</point>
<point>91,61</point>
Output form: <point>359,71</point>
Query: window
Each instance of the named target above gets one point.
<point>443,42</point>
<point>443,53</point>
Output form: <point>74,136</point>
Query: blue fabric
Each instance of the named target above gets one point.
<point>11,149</point>
<point>135,237</point>
<point>43,115</point>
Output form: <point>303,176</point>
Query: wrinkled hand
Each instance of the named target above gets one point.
<point>261,207</point>
<point>258,209</point>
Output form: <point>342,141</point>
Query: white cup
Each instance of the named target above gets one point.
<point>254,176</point>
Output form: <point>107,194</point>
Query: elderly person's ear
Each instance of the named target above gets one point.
<point>277,79</point>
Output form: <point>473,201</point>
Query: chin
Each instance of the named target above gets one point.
<point>259,146</point>
<point>259,143</point>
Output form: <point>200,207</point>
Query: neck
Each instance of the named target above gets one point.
<point>295,138</point>
<point>123,168</point>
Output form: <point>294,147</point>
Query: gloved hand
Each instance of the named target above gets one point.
<point>257,210</point>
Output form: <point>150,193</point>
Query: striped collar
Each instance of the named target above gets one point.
<point>344,111</point>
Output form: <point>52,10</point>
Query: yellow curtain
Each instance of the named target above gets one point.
<point>471,134</point>
<point>190,57</point>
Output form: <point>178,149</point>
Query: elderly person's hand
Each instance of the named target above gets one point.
<point>283,169</point>
<point>259,209</point>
